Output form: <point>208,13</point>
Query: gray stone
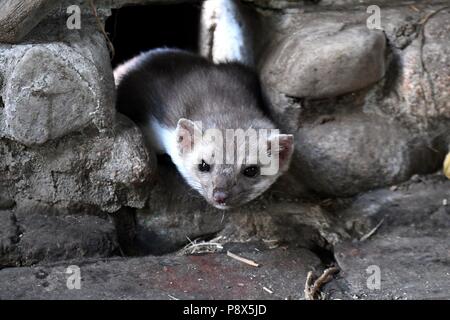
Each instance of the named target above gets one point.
<point>79,171</point>
<point>351,154</point>
<point>18,18</point>
<point>27,238</point>
<point>53,89</point>
<point>416,90</point>
<point>324,4</point>
<point>6,202</point>
<point>324,62</point>
<point>414,96</point>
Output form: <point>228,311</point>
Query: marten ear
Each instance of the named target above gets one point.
<point>186,132</point>
<point>283,148</point>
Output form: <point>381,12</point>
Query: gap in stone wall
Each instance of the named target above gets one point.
<point>135,29</point>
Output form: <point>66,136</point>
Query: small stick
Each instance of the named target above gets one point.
<point>244,260</point>
<point>371,232</point>
<point>194,247</point>
<point>268,290</point>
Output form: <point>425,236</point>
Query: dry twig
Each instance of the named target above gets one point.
<point>371,232</point>
<point>195,247</point>
<point>244,260</point>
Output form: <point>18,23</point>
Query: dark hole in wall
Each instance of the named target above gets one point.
<point>134,29</point>
<point>1,102</point>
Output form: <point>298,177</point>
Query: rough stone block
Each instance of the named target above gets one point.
<point>52,90</point>
<point>27,238</point>
<point>352,154</point>
<point>80,170</point>
<point>325,62</point>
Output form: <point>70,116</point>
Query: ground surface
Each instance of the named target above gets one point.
<point>409,243</point>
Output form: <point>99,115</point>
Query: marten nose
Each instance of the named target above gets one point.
<point>220,196</point>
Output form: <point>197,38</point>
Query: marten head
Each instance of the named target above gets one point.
<point>230,167</point>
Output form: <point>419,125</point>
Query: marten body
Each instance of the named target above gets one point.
<point>166,92</point>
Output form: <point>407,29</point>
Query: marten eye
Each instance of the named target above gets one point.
<point>204,167</point>
<point>251,171</point>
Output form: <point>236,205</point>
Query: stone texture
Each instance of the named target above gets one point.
<point>17,18</point>
<point>49,197</point>
<point>66,157</point>
<point>415,96</point>
<point>79,171</point>
<point>325,61</point>
<point>416,91</point>
<point>27,238</point>
<point>411,247</point>
<point>212,276</point>
<point>351,154</point>
<point>53,89</point>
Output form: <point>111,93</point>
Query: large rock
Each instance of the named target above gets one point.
<point>325,61</point>
<point>351,154</point>
<point>53,89</point>
<point>80,171</point>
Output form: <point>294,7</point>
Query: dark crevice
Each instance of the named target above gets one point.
<point>325,254</point>
<point>126,231</point>
<point>135,29</point>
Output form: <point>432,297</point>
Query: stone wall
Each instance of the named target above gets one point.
<point>67,159</point>
<point>369,109</point>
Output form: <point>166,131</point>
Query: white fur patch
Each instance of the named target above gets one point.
<point>228,38</point>
<point>164,140</point>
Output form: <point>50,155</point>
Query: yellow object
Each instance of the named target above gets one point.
<point>447,165</point>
